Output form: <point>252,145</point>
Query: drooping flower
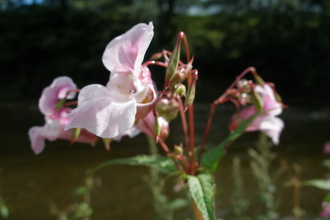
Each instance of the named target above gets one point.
<point>56,119</point>
<point>128,96</point>
<point>267,123</point>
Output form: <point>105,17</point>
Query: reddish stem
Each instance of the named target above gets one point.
<point>71,90</point>
<point>250,69</point>
<point>191,146</point>
<point>184,124</point>
<point>223,98</point>
<point>70,103</point>
<point>206,132</point>
<point>191,131</point>
<point>163,145</point>
<point>169,154</point>
<point>152,62</point>
<point>192,139</point>
<point>184,163</point>
<point>186,45</point>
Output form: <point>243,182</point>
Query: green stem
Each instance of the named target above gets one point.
<point>152,145</point>
<point>156,185</point>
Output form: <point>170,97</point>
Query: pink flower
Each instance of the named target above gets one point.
<point>326,210</point>
<point>326,147</point>
<point>55,120</point>
<point>268,123</point>
<point>56,91</point>
<point>129,94</point>
<point>54,129</point>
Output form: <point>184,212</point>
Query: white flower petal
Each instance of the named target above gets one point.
<point>101,114</point>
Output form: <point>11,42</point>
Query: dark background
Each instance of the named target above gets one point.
<point>287,42</point>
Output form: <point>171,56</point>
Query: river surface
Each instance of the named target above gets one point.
<point>30,183</point>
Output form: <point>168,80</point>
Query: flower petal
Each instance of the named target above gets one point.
<point>272,127</point>
<point>268,124</point>
<point>101,114</point>
<point>241,116</point>
<point>57,90</point>
<point>132,132</point>
<point>125,53</point>
<point>269,102</point>
<point>36,138</point>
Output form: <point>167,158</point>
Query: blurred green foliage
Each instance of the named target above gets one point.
<point>289,47</point>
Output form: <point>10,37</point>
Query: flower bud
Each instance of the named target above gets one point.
<point>157,127</point>
<point>191,92</point>
<point>179,89</point>
<point>75,134</point>
<point>242,83</point>
<point>164,129</point>
<point>172,67</point>
<point>156,56</point>
<point>167,108</point>
<point>178,149</point>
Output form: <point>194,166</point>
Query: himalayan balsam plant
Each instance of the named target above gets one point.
<point>129,104</point>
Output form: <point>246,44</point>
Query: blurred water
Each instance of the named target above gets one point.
<point>29,183</point>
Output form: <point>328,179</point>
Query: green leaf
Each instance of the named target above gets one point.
<point>201,188</point>
<point>163,164</point>
<point>211,158</point>
<point>178,203</point>
<point>319,183</point>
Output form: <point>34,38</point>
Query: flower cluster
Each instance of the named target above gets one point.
<point>252,98</point>
<point>130,104</point>
<point>122,107</point>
